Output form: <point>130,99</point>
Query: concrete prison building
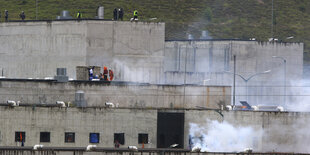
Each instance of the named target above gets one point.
<point>161,87</point>
<point>153,128</point>
<point>211,63</point>
<point>137,52</point>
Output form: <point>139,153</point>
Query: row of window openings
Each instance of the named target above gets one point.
<point>93,137</point>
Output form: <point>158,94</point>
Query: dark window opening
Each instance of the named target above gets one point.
<point>162,140</point>
<point>20,136</point>
<point>94,137</point>
<point>45,136</point>
<point>143,138</point>
<point>120,138</point>
<point>69,137</point>
<point>170,130</point>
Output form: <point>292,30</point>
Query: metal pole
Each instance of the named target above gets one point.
<point>272,20</point>
<point>36,9</point>
<point>185,75</point>
<point>246,89</point>
<point>244,79</point>
<point>234,86</point>
<point>284,81</point>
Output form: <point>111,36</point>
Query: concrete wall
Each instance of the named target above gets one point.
<point>36,49</point>
<point>209,60</point>
<point>73,151</point>
<point>137,52</point>
<point>57,121</point>
<point>134,50</point>
<point>49,151</point>
<point>122,94</point>
<point>280,129</point>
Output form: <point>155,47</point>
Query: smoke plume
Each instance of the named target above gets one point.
<point>279,134</point>
<point>298,96</point>
<point>223,137</point>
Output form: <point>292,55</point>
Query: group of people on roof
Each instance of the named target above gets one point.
<point>6,15</point>
<point>117,15</point>
<point>107,74</point>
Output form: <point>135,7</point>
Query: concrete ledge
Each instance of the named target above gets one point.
<point>82,150</point>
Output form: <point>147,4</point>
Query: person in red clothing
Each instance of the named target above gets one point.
<point>111,74</point>
<point>105,73</point>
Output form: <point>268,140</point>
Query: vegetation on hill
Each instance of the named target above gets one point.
<point>223,19</point>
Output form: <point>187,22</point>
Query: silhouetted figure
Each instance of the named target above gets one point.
<point>22,15</point>
<point>6,13</point>
<point>120,13</point>
<point>116,144</point>
<point>115,14</point>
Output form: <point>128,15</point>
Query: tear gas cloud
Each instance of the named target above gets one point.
<point>223,137</point>
<point>278,136</point>
<point>298,96</point>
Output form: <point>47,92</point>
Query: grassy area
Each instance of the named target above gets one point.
<point>242,19</point>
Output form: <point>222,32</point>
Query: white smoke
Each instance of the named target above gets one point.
<point>298,96</point>
<point>223,137</point>
<point>135,72</point>
<point>286,133</point>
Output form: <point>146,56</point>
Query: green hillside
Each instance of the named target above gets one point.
<point>224,19</point>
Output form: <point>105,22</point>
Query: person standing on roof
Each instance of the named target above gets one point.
<point>105,73</point>
<point>111,74</point>
<point>6,15</point>
<point>116,144</point>
<point>91,73</point>
<point>22,15</point>
<point>135,15</point>
<point>120,13</point>
<point>115,14</point>
<point>79,15</point>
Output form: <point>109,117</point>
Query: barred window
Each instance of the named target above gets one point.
<point>20,136</point>
<point>45,136</point>
<point>143,138</point>
<point>94,137</point>
<point>69,137</point>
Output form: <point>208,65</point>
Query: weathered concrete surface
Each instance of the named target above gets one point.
<point>73,151</point>
<point>285,131</point>
<point>217,56</point>
<point>137,52</point>
<point>57,121</point>
<point>134,50</point>
<point>36,49</point>
<point>209,60</point>
<point>122,94</point>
